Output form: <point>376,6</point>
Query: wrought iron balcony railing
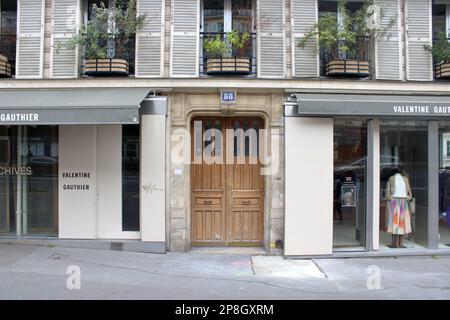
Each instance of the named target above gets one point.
<point>120,60</point>
<point>234,62</point>
<point>345,59</point>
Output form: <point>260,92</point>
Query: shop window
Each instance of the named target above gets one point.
<point>444,185</point>
<point>130,178</point>
<point>350,165</point>
<point>29,180</point>
<point>404,184</point>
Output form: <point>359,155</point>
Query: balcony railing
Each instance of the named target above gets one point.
<point>7,56</point>
<point>120,59</point>
<point>236,62</point>
<point>346,59</point>
<point>441,68</point>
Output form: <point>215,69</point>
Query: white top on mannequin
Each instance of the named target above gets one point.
<point>400,187</point>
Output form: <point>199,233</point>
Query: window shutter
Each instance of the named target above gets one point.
<point>305,61</point>
<point>419,62</point>
<point>150,39</point>
<point>271,47</point>
<point>185,36</point>
<point>30,40</point>
<point>65,24</point>
<point>388,53</point>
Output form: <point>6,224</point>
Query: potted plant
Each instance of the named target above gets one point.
<point>227,54</point>
<point>344,45</point>
<point>5,67</point>
<point>441,56</point>
<point>108,39</point>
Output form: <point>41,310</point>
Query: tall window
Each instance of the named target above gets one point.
<point>228,15</point>
<point>8,26</point>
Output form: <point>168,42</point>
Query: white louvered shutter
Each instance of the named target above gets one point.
<point>388,53</point>
<point>305,61</point>
<point>65,24</point>
<point>419,62</point>
<point>185,36</point>
<point>150,40</point>
<point>271,34</point>
<point>30,39</point>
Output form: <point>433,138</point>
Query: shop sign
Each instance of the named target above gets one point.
<point>15,171</point>
<point>19,117</point>
<point>76,176</point>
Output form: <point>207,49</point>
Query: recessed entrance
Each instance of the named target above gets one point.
<point>227,185</point>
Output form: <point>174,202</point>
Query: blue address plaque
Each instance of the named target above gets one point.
<point>228,96</point>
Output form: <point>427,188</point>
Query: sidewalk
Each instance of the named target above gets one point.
<point>28,272</point>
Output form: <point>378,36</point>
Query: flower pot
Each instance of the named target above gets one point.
<point>227,66</point>
<point>442,70</point>
<point>347,68</point>
<point>5,67</point>
<point>106,67</point>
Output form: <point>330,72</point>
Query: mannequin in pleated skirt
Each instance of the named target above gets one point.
<point>398,195</point>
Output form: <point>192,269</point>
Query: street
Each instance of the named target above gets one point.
<point>31,272</point>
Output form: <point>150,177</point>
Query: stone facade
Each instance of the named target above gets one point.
<point>183,107</point>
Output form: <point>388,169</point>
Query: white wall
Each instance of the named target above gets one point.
<point>78,208</point>
<point>309,186</point>
<point>153,173</point>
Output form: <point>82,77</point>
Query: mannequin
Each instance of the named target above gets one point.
<point>398,194</point>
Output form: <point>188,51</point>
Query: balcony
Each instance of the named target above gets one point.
<point>7,56</point>
<point>441,56</point>
<point>119,61</point>
<point>225,59</point>
<point>345,59</point>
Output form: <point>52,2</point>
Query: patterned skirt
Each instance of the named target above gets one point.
<point>399,216</point>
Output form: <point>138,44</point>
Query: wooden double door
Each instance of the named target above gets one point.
<point>227,184</point>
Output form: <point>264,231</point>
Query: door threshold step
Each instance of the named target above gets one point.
<point>229,250</point>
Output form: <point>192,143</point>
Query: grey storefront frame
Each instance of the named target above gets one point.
<point>74,106</point>
<point>373,108</point>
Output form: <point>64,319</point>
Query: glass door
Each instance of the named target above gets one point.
<point>350,166</point>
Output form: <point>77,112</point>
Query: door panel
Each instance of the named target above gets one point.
<point>227,199</point>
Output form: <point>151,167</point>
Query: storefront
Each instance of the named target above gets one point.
<point>72,167</point>
<point>342,155</point>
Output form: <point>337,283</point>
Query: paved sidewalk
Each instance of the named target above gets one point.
<point>28,272</point>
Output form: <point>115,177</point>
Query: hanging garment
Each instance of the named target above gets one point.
<point>399,216</point>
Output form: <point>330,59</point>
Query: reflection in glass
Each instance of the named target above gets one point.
<point>213,15</point>
<point>242,15</point>
<point>350,154</point>
<point>444,184</point>
<point>404,148</point>
<point>130,178</point>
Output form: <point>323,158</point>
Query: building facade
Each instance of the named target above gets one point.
<point>274,145</point>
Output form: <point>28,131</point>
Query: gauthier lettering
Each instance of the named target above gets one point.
<point>76,175</point>
<point>19,117</point>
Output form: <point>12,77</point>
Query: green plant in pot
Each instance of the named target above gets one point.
<point>108,38</point>
<point>440,51</point>
<point>227,54</point>
<point>345,43</point>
